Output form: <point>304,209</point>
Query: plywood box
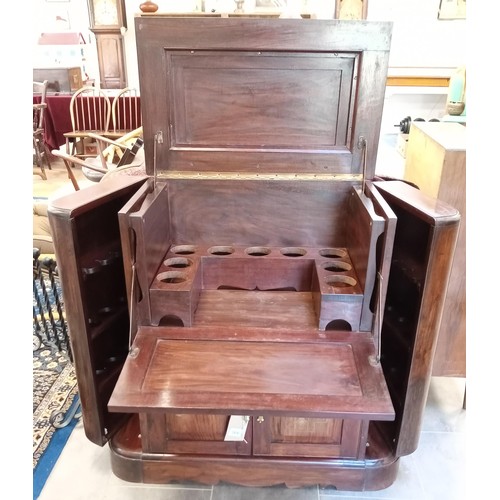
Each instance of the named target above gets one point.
<point>436,163</point>
<point>402,144</point>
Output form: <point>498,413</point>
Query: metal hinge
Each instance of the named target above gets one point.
<point>362,144</point>
<point>158,139</point>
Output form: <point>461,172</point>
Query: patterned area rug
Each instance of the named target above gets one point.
<point>55,397</point>
<point>55,393</point>
<point>54,389</point>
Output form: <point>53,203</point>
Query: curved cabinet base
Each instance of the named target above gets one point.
<point>130,463</point>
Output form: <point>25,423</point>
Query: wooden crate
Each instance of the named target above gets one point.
<point>436,163</point>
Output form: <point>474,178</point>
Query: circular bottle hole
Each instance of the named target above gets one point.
<point>257,251</point>
<point>171,277</point>
<point>336,266</point>
<point>178,262</point>
<point>332,253</point>
<point>338,281</point>
<point>221,250</point>
<point>183,249</point>
<point>293,252</point>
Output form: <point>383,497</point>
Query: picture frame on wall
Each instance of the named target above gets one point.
<point>351,9</point>
<point>270,4</point>
<point>278,6</point>
<point>452,9</point>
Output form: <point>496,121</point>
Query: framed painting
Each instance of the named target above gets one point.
<point>452,9</point>
<point>351,9</point>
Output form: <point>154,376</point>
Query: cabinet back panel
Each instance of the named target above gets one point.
<point>259,212</point>
<point>260,100</point>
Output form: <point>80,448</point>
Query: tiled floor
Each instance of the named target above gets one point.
<point>436,471</point>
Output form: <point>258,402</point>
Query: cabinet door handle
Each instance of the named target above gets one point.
<point>260,419</point>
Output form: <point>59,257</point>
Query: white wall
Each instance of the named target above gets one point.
<point>132,9</point>
<point>420,42</point>
<point>419,38</point>
<point>54,17</point>
<point>75,12</point>
<point>422,45</point>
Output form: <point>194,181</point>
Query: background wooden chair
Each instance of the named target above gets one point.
<point>90,111</point>
<point>112,155</point>
<point>125,112</point>
<point>40,151</point>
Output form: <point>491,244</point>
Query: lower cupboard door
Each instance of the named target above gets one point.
<point>309,437</point>
<point>190,434</point>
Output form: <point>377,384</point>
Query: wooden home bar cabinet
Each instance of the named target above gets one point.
<point>258,308</point>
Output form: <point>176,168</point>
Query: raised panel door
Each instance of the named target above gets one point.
<point>308,437</point>
<point>201,433</point>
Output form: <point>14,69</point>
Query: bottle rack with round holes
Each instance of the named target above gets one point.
<point>326,273</point>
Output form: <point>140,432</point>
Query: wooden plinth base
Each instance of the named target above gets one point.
<point>376,472</point>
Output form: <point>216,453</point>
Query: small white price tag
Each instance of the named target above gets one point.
<point>237,428</point>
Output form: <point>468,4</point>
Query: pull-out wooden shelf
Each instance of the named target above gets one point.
<point>168,372</point>
<point>302,394</point>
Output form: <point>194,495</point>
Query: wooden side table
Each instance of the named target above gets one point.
<point>435,162</point>
<point>60,79</point>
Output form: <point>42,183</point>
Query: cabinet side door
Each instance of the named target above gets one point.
<point>145,233</point>
<point>88,251</point>
<point>424,244</point>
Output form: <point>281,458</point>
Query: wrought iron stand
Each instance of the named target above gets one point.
<point>49,323</point>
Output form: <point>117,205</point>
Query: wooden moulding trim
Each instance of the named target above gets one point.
<point>418,81</point>
<point>259,176</point>
<point>130,463</point>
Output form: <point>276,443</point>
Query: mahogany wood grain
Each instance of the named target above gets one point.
<point>363,237</point>
<point>280,124</point>
<point>148,233</point>
<point>280,333</point>
<point>377,471</point>
<point>306,437</point>
<point>188,270</point>
<point>259,212</point>
<point>153,432</point>
<point>227,308</point>
<point>255,377</point>
<point>259,273</point>
<point>262,101</point>
<point>266,155</point>
<point>384,249</point>
<point>190,434</point>
<point>425,237</point>
<point>99,347</point>
<point>430,210</point>
<point>137,299</point>
<point>175,292</point>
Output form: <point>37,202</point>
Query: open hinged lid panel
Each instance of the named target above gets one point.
<point>257,96</point>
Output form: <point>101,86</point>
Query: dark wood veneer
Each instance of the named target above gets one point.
<point>256,270</point>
